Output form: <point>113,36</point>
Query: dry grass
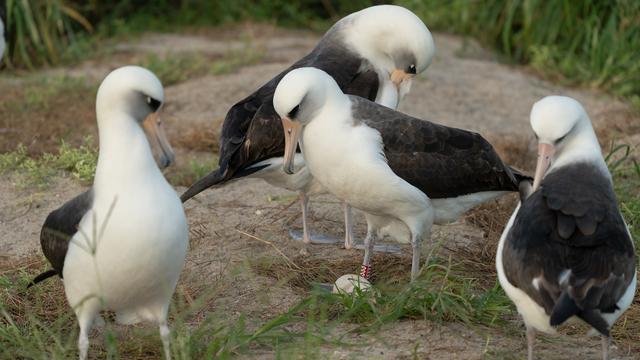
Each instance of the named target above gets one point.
<point>38,112</point>
<point>313,270</point>
<point>45,301</point>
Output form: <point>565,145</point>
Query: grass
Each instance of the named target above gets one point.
<point>588,43</point>
<point>79,162</point>
<point>175,68</point>
<point>40,33</point>
<point>38,321</point>
<point>442,293</point>
<point>626,176</point>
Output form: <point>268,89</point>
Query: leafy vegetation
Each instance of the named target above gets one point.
<point>592,43</point>
<point>80,162</point>
<point>40,32</point>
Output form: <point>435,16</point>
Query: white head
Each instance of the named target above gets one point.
<point>299,96</point>
<point>393,39</point>
<point>564,134</point>
<point>137,93</point>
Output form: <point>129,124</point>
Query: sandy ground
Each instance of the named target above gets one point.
<point>465,87</point>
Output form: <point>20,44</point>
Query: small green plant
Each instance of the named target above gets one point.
<point>80,162</point>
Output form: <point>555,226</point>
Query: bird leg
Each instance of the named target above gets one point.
<point>365,270</point>
<point>415,261</point>
<point>531,338</point>
<point>348,227</point>
<point>166,338</point>
<point>304,202</point>
<point>306,237</point>
<point>86,313</point>
<point>606,341</point>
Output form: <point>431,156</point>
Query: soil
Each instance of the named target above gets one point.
<point>466,87</point>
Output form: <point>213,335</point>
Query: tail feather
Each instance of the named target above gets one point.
<point>595,319</point>
<point>566,307</point>
<point>523,182</point>
<point>213,178</point>
<point>45,275</point>
<point>520,176</point>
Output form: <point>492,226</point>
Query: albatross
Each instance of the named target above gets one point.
<point>373,53</point>
<point>121,245</point>
<point>404,173</point>
<point>566,251</point>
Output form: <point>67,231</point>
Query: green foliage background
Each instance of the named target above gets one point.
<point>594,43</point>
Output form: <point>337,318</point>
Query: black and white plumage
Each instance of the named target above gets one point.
<point>373,53</point>
<point>121,245</point>
<point>566,250</point>
<point>404,173</point>
<point>58,229</point>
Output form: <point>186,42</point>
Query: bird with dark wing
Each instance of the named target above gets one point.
<point>566,251</point>
<point>373,53</point>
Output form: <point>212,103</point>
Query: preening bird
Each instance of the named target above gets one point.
<point>373,53</point>
<point>121,245</point>
<point>566,250</point>
<point>404,173</point>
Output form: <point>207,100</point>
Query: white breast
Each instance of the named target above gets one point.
<point>140,250</point>
<point>348,160</point>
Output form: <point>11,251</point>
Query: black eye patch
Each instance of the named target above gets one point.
<point>294,112</point>
<point>411,69</point>
<point>153,103</point>
<point>560,139</point>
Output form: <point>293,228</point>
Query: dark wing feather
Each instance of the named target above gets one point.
<point>571,223</point>
<point>60,226</point>
<point>441,161</point>
<point>252,130</point>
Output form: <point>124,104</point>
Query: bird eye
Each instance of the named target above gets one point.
<point>411,69</point>
<point>294,112</point>
<point>560,139</point>
<point>153,103</point>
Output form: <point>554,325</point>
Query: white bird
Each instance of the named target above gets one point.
<point>566,250</point>
<point>373,53</point>
<point>122,244</point>
<point>404,173</point>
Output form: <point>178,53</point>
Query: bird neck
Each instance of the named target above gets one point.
<point>125,154</point>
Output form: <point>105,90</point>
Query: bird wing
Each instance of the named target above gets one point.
<point>252,130</point>
<point>441,161</point>
<point>60,226</point>
<point>571,223</point>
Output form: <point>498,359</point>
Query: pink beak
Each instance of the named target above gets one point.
<point>291,136</point>
<point>545,155</point>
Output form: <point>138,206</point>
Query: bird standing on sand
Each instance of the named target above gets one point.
<point>373,53</point>
<point>121,245</point>
<point>404,173</point>
<point>566,250</point>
